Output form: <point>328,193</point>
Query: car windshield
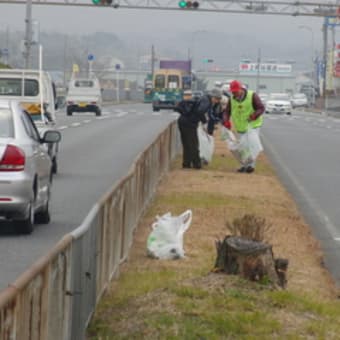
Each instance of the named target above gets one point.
<point>299,96</point>
<point>6,123</point>
<point>13,87</point>
<point>279,97</point>
<point>84,83</point>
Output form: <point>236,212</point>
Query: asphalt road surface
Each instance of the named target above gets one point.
<point>304,148</point>
<point>95,152</point>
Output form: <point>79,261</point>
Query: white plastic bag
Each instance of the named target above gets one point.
<point>165,241</point>
<point>252,140</point>
<point>206,144</point>
<point>238,147</point>
<point>246,148</point>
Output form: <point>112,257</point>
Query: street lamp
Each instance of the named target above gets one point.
<point>308,28</point>
<point>193,36</point>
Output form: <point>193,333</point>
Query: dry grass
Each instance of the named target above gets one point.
<point>166,299</point>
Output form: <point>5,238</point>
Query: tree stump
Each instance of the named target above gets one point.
<point>253,260</point>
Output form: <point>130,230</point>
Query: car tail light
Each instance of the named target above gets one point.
<point>13,159</point>
<point>70,103</point>
<point>93,103</point>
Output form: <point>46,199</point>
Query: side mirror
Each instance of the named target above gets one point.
<point>51,136</point>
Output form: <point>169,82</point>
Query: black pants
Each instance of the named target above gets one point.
<point>190,145</point>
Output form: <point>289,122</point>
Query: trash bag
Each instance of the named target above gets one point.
<point>246,148</point>
<point>206,144</point>
<point>165,242</point>
<point>252,139</point>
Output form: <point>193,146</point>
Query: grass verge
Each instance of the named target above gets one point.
<point>183,300</point>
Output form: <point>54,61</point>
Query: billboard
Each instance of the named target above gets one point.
<point>184,65</point>
<point>336,61</point>
<point>267,68</point>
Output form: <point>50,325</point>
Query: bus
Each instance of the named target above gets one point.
<point>168,87</point>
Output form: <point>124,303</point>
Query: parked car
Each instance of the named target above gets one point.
<point>84,95</point>
<point>299,100</point>
<point>25,168</point>
<point>279,103</point>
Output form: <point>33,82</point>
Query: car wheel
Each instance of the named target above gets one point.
<point>69,112</point>
<point>26,226</point>
<point>54,165</point>
<point>98,112</point>
<point>289,113</point>
<point>44,217</point>
<point>155,109</point>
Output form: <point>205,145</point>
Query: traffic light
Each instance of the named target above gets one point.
<point>188,4</point>
<point>102,2</point>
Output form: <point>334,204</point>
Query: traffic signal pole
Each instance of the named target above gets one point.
<point>28,34</point>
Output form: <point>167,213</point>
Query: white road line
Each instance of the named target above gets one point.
<point>102,117</point>
<point>86,121</point>
<point>121,114</point>
<point>75,124</point>
<point>328,127</point>
<point>310,201</point>
<point>321,120</point>
<point>140,113</point>
<point>156,114</point>
<point>62,127</point>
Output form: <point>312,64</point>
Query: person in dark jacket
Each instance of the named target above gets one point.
<point>192,111</point>
<point>212,104</point>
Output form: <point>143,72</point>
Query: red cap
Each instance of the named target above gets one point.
<point>235,86</point>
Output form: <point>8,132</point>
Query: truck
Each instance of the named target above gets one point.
<point>169,82</point>
<point>36,93</point>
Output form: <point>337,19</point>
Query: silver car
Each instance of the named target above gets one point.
<point>25,168</point>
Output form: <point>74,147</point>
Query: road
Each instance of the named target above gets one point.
<point>304,150</point>
<point>95,153</point>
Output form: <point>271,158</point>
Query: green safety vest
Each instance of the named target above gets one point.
<point>240,112</point>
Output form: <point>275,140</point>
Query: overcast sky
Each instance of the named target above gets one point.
<point>149,23</point>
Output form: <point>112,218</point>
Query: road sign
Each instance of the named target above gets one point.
<point>4,51</point>
<point>117,66</point>
<point>90,57</point>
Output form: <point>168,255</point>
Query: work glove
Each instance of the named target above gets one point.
<point>252,117</point>
<point>227,124</point>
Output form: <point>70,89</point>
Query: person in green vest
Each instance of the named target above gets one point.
<point>245,111</point>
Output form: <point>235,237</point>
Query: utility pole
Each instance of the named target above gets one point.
<point>258,70</point>
<point>28,33</point>
<point>325,57</point>
<point>152,60</point>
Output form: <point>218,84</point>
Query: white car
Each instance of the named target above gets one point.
<point>25,168</point>
<point>264,97</point>
<point>279,103</point>
<point>299,100</point>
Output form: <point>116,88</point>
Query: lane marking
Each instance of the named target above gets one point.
<point>86,121</point>
<point>62,127</point>
<point>155,113</point>
<point>75,124</point>
<point>312,204</point>
<point>121,114</point>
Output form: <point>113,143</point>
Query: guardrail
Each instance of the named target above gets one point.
<point>56,297</point>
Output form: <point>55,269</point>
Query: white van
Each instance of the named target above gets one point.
<point>84,95</point>
<point>33,90</point>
